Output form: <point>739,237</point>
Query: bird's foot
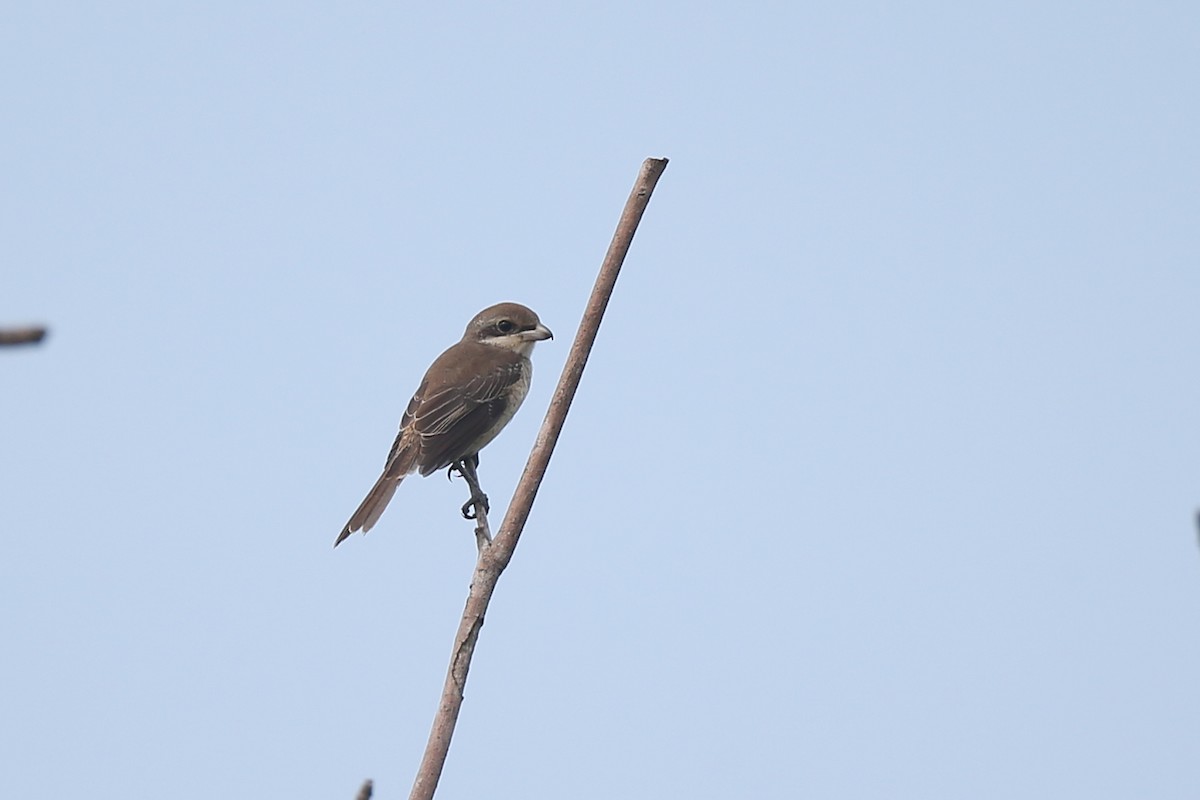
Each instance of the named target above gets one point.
<point>461,466</point>
<point>471,507</point>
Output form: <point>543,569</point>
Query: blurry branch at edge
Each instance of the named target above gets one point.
<point>30,334</point>
<point>494,557</point>
<point>365,792</point>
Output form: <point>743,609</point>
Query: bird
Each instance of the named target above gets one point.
<point>468,394</point>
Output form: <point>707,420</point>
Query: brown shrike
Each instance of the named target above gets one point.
<point>467,397</point>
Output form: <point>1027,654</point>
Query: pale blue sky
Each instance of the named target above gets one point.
<point>880,482</point>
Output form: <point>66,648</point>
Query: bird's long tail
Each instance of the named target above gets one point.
<point>399,464</point>
<point>372,506</point>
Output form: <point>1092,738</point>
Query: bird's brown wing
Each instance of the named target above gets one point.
<point>450,421</point>
<point>403,454</point>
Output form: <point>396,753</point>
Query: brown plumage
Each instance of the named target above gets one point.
<point>467,396</point>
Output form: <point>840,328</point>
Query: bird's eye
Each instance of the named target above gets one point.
<point>505,326</point>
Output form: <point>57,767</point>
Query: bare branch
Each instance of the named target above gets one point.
<point>30,334</point>
<point>365,792</point>
<point>495,557</point>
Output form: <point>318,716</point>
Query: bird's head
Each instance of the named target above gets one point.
<point>508,325</point>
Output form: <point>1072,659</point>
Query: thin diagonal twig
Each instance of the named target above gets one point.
<point>495,557</point>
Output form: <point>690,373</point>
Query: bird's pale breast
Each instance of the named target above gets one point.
<point>513,399</point>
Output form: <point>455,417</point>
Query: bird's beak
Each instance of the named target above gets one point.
<point>538,334</point>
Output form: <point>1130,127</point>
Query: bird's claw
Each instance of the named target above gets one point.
<point>470,508</point>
